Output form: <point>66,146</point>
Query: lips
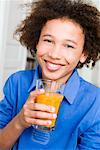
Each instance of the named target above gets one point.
<point>52,66</point>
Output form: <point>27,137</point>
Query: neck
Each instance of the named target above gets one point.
<point>62,80</point>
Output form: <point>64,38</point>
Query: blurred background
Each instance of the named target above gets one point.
<point>13,56</point>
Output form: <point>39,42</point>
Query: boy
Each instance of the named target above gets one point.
<point>65,36</point>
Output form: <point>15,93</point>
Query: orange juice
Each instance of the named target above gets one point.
<point>52,99</point>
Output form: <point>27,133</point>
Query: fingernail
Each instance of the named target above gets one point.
<point>49,122</point>
<point>52,109</point>
<point>54,116</point>
<point>41,90</point>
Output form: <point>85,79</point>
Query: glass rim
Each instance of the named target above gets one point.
<point>48,80</point>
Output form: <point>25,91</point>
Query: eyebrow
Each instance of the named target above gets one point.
<point>47,35</point>
<point>68,40</point>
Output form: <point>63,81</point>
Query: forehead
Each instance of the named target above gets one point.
<point>63,27</point>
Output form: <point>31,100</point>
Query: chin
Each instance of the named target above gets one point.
<point>51,76</point>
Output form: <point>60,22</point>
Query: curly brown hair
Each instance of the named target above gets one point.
<point>86,15</point>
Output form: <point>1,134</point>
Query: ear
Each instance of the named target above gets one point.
<point>83,57</point>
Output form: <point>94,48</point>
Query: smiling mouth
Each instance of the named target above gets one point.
<point>52,66</point>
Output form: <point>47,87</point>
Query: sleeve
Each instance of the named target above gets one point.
<point>7,105</point>
<point>90,139</point>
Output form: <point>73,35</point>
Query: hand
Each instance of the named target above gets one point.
<point>34,113</point>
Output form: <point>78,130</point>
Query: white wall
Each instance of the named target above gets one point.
<point>12,54</point>
<point>15,54</point>
<point>3,18</point>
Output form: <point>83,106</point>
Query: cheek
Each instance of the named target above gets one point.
<point>42,50</point>
<point>71,58</point>
<point>39,54</point>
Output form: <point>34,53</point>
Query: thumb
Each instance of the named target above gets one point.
<point>34,94</point>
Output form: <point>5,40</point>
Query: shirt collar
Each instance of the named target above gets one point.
<point>71,87</point>
<point>37,75</point>
<point>69,90</point>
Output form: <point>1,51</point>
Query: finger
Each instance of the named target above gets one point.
<point>39,114</point>
<point>40,107</point>
<point>38,122</point>
<point>34,94</point>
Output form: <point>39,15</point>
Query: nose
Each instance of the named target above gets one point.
<point>55,53</point>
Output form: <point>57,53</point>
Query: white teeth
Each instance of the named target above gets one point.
<point>51,66</point>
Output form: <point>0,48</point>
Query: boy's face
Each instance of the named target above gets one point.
<point>60,48</point>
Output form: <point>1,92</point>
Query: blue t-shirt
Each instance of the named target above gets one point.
<point>78,121</point>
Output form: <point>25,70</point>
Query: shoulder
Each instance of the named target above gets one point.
<point>88,86</point>
<point>89,90</point>
<point>90,94</point>
<point>23,74</point>
<point>20,78</point>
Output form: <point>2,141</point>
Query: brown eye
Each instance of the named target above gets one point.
<point>46,40</point>
<point>69,46</point>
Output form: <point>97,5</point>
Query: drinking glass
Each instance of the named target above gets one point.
<point>49,97</point>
